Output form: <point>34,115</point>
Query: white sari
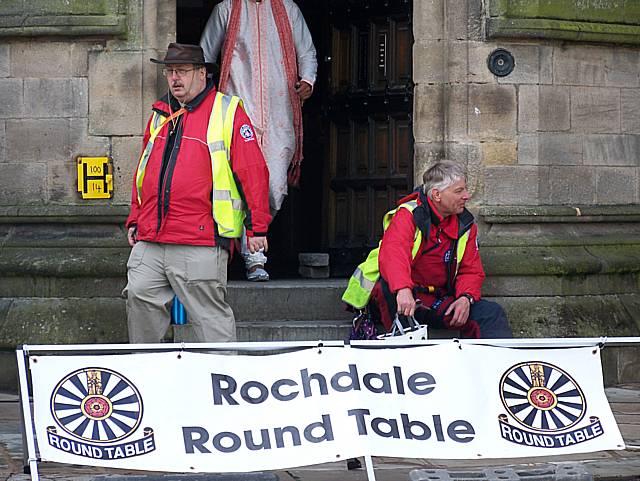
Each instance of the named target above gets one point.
<point>257,76</point>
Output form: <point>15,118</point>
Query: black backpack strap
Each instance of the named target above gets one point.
<point>465,221</point>
<point>422,217</point>
<point>389,297</point>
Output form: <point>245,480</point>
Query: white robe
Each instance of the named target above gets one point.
<point>257,76</point>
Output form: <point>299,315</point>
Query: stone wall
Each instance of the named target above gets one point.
<point>562,129</point>
<point>584,20</point>
<point>62,97</point>
<point>38,18</point>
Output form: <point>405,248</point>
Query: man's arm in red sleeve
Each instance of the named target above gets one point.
<point>395,251</point>
<point>470,273</point>
<point>132,220</point>
<point>251,174</point>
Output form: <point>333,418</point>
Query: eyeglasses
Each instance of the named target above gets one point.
<point>180,72</point>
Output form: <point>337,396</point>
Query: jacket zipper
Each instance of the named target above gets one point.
<point>435,244</point>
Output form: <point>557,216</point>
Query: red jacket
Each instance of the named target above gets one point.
<point>429,268</point>
<point>181,212</point>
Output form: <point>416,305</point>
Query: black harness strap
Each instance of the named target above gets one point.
<point>422,217</point>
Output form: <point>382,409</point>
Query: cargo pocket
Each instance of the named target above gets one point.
<point>137,254</point>
<point>210,265</point>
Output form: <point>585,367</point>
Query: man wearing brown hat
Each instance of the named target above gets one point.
<point>200,179</point>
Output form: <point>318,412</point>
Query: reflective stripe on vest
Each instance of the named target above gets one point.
<point>228,206</point>
<point>462,245</point>
<point>366,275</point>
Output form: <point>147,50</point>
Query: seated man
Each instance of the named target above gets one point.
<point>429,264</point>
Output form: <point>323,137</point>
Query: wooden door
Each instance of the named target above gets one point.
<point>369,105</point>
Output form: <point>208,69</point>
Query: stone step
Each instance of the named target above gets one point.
<point>281,330</point>
<point>72,320</point>
<point>295,299</point>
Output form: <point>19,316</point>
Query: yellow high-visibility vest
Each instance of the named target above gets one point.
<point>366,275</point>
<point>227,205</point>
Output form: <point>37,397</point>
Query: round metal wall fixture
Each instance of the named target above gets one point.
<point>500,62</point>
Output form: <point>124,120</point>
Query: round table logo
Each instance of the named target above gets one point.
<point>542,397</point>
<point>97,405</point>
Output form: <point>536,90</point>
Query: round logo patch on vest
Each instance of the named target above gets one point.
<point>247,132</point>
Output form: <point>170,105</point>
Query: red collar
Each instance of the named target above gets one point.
<point>434,210</point>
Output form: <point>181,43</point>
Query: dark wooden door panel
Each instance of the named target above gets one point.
<point>369,110</point>
<point>370,169</point>
<point>403,46</point>
<point>358,142</point>
<point>341,59</point>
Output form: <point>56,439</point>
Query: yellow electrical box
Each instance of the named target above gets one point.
<point>95,177</point>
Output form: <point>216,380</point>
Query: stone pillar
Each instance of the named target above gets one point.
<point>430,86</point>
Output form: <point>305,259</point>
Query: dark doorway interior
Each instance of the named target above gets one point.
<point>358,143</point>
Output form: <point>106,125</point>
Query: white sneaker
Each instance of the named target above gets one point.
<point>258,274</point>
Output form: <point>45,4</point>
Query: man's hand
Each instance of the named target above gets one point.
<point>304,90</point>
<point>132,235</point>
<point>460,308</point>
<point>406,302</point>
<point>256,244</point>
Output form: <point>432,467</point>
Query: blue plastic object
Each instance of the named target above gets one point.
<point>178,313</point>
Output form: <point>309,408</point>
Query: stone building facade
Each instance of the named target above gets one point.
<point>552,149</point>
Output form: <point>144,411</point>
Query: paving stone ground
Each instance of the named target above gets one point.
<point>602,466</point>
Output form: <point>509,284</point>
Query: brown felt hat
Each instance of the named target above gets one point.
<point>183,53</point>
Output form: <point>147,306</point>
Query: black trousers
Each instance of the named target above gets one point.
<point>490,316</point>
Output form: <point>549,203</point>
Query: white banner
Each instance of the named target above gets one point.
<point>198,412</point>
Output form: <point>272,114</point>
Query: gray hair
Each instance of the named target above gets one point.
<point>441,175</point>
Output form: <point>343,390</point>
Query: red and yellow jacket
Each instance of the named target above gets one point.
<point>431,265</point>
<point>175,204</point>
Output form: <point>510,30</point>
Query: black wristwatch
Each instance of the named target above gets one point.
<point>468,296</point>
